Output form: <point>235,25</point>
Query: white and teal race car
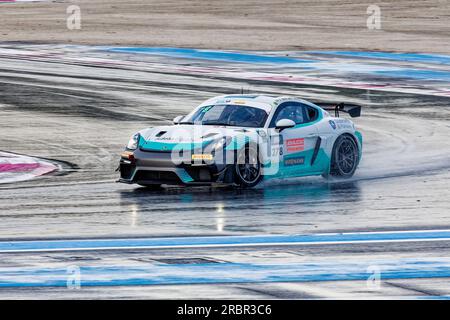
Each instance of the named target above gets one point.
<point>243,139</point>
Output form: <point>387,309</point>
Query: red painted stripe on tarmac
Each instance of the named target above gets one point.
<point>8,167</point>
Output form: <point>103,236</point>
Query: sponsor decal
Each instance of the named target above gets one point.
<point>343,124</point>
<point>295,145</point>
<point>294,161</point>
<point>163,138</point>
<point>222,101</point>
<point>281,100</point>
<point>332,124</point>
<point>202,156</point>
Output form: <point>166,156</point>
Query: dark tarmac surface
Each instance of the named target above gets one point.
<point>81,109</point>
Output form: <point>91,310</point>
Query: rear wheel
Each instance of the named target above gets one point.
<point>248,167</point>
<point>345,157</point>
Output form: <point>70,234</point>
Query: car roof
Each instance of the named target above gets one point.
<point>265,102</point>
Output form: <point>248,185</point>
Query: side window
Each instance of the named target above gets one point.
<point>312,113</point>
<point>290,110</point>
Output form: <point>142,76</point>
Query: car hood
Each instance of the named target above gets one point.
<point>165,138</point>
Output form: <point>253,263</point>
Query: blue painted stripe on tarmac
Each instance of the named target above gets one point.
<point>433,297</point>
<point>159,274</point>
<point>409,57</point>
<point>210,55</point>
<point>266,240</point>
<point>416,74</point>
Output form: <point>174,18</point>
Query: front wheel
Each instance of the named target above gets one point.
<point>248,167</point>
<point>345,157</point>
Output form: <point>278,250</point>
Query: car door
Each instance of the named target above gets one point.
<point>297,145</point>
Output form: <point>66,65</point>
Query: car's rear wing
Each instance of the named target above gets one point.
<point>353,110</point>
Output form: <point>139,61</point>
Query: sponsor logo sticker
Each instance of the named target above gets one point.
<point>343,124</point>
<point>163,138</point>
<point>294,161</point>
<point>202,156</point>
<point>294,145</point>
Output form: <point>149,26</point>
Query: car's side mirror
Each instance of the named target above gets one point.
<point>284,124</point>
<point>177,120</point>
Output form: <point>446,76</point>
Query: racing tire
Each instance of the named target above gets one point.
<point>344,158</point>
<point>248,170</point>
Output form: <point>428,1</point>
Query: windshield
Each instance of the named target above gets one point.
<point>228,115</point>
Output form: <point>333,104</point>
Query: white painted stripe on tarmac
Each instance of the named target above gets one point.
<point>224,241</point>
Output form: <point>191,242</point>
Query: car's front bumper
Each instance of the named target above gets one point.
<point>157,167</point>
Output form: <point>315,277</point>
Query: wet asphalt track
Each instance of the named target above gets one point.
<point>79,106</point>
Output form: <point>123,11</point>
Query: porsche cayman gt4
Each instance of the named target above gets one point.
<point>242,139</point>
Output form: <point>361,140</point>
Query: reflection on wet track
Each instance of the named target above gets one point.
<point>79,105</point>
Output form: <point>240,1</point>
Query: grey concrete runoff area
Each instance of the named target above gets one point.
<point>71,98</point>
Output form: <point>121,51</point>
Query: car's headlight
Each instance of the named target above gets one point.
<point>221,143</point>
<point>134,142</point>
